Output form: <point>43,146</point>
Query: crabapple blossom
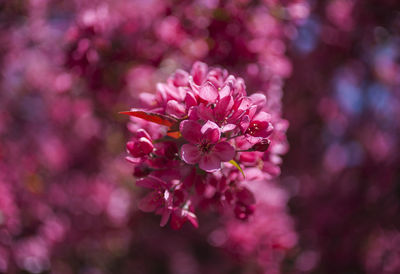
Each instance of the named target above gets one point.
<point>210,129</point>
<point>204,147</point>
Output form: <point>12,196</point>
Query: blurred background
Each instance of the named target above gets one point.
<point>68,203</point>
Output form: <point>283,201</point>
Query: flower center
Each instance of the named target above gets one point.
<point>205,147</point>
<point>253,128</point>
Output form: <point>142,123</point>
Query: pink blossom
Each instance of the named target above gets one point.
<point>209,134</point>
<point>142,146</point>
<point>204,147</point>
<point>159,200</point>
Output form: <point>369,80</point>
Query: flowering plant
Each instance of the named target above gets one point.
<point>213,136</point>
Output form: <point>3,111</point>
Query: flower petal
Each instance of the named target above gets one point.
<point>165,217</point>
<point>225,91</point>
<point>258,99</point>
<point>179,78</point>
<point>224,151</point>
<point>192,218</point>
<point>150,202</point>
<point>142,133</point>
<point>223,107</point>
<point>190,100</point>
<point>199,71</point>
<point>147,100</point>
<point>228,127</point>
<point>174,108</point>
<point>211,132</point>
<point>166,211</point>
<point>244,123</point>
<point>208,92</point>
<point>190,154</point>
<point>191,131</point>
<point>151,182</point>
<point>210,163</point>
<point>145,145</point>
<point>193,113</point>
<point>205,113</point>
<point>262,117</point>
<point>178,218</point>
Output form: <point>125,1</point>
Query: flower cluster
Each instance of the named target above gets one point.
<point>66,199</point>
<point>213,135</point>
<point>65,192</point>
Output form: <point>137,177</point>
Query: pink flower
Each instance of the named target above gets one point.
<point>181,215</point>
<point>260,125</point>
<point>141,147</point>
<point>262,145</point>
<point>206,118</point>
<point>204,147</point>
<point>159,200</point>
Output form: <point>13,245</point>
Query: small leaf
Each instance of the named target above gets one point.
<point>174,134</point>
<point>233,162</point>
<point>174,131</point>
<point>151,117</point>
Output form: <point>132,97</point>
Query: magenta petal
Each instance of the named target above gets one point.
<point>225,91</point>
<point>192,219</point>
<point>199,71</point>
<point>191,131</point>
<point>146,99</point>
<point>224,151</point>
<point>190,154</point>
<point>228,127</point>
<point>271,169</point>
<point>145,145</point>
<point>249,157</point>
<point>166,211</point>
<point>244,123</point>
<point>208,92</point>
<point>132,148</point>
<point>210,163</point>
<point>205,113</point>
<point>174,108</point>
<point>253,139</point>
<point>211,132</point>
<point>142,133</point>
<point>190,100</point>
<point>151,182</point>
<point>177,219</point>
<point>244,104</point>
<point>150,202</point>
<point>195,88</point>
<point>253,174</point>
<point>262,145</point>
<point>262,117</point>
<point>161,92</point>
<point>180,78</point>
<point>258,99</point>
<point>133,160</point>
<point>165,217</point>
<point>223,107</point>
<point>174,93</point>
<point>251,111</point>
<point>193,113</point>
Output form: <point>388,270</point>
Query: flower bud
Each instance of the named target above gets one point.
<point>262,146</point>
<point>140,148</point>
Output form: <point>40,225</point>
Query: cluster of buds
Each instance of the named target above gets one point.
<point>194,143</point>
